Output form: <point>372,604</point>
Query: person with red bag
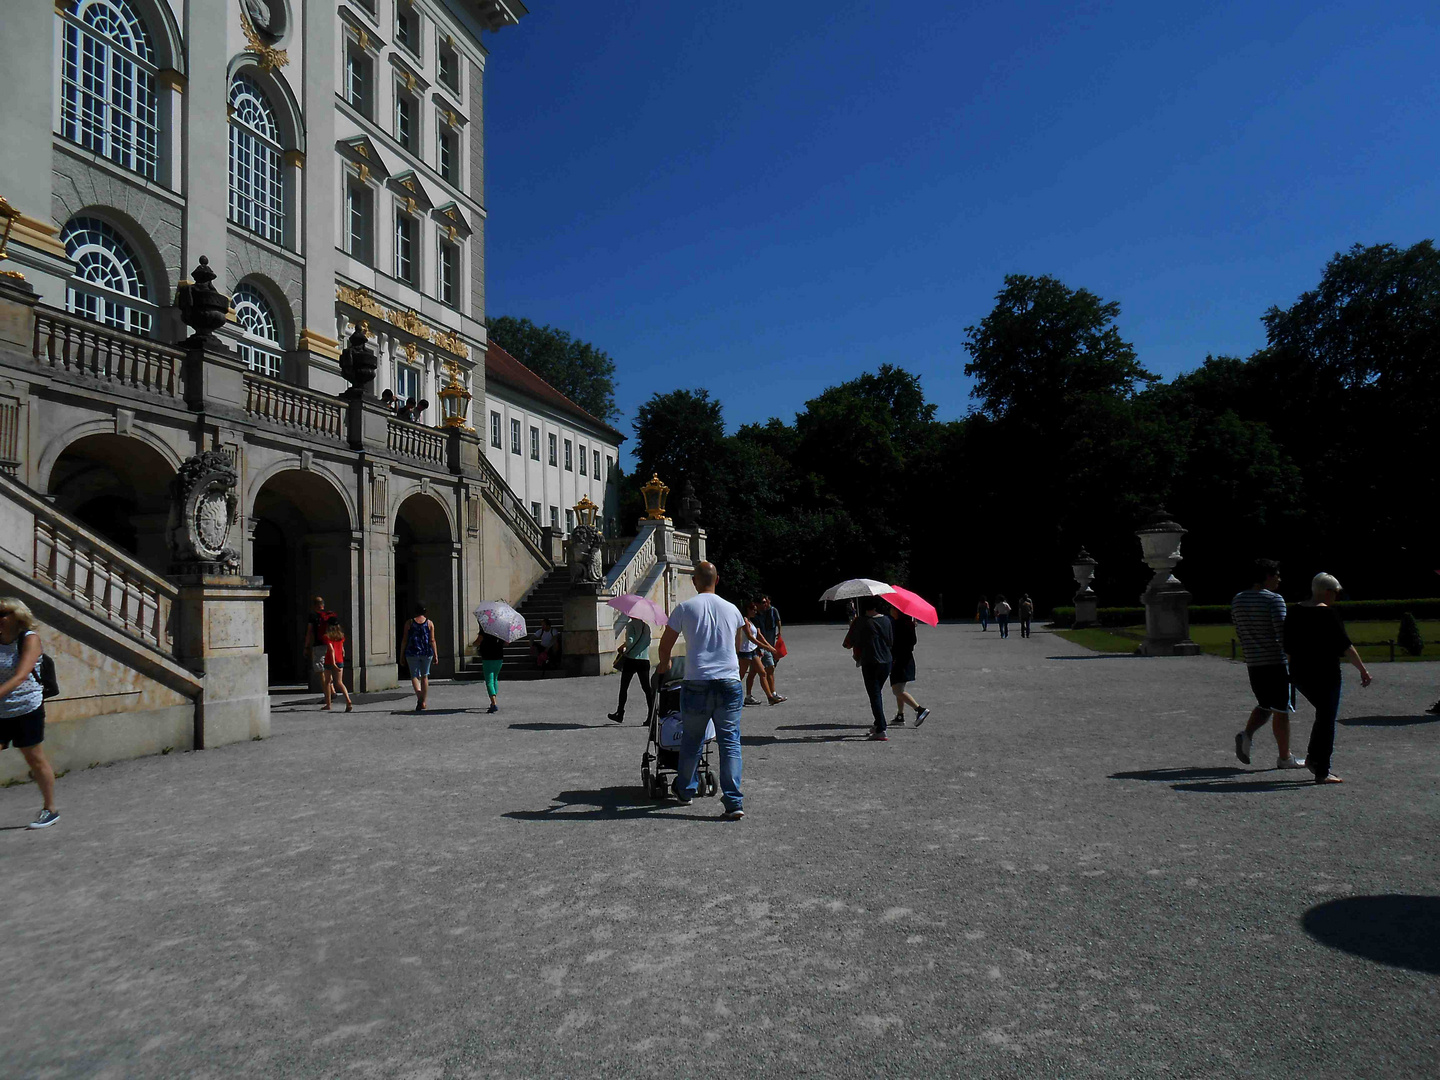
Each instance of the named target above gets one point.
<point>334,673</point>
<point>768,622</point>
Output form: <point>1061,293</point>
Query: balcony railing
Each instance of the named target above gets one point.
<point>511,508</point>
<point>413,440</point>
<point>68,343</point>
<point>303,410</point>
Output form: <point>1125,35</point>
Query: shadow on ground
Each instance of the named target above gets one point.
<point>541,725</point>
<point>1104,656</point>
<point>607,804</point>
<point>1224,780</point>
<point>1388,721</point>
<point>1399,930</point>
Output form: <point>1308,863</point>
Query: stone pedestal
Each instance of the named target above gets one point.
<point>1086,609</point>
<point>219,633</point>
<point>1167,622</point>
<point>590,633</point>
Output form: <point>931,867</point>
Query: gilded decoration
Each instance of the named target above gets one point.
<point>270,57</point>
<point>9,213</point>
<point>408,320</point>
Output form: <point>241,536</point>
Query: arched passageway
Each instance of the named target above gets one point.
<point>302,548</point>
<point>119,488</point>
<point>425,562</point>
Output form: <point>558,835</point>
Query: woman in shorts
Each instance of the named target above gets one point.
<point>419,638</point>
<point>22,701</point>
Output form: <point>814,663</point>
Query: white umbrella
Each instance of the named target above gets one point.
<point>499,619</point>
<point>859,586</point>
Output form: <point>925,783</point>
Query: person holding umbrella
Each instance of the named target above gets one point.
<point>499,623</point>
<point>634,654</point>
<point>492,659</point>
<point>872,636</point>
<point>907,608</point>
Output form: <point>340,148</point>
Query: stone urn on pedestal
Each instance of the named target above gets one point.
<point>203,307</point>
<point>1086,602</point>
<point>1167,602</point>
<point>358,364</point>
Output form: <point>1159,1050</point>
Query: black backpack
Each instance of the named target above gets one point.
<point>45,676</point>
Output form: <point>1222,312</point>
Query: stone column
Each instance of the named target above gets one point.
<point>219,633</point>
<point>202,142</point>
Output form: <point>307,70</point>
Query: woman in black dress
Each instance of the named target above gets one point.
<point>1315,642</point>
<point>902,668</point>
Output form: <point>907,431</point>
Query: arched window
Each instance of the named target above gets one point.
<point>260,348</point>
<point>109,285</point>
<point>107,85</point>
<point>257,193</point>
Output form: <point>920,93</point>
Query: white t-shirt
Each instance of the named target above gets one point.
<point>1002,608</point>
<point>709,624</point>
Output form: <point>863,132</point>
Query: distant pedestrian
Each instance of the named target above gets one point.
<point>545,645</point>
<point>750,651</point>
<point>635,660</point>
<point>492,659</point>
<point>982,612</point>
<point>768,622</point>
<point>22,701</point>
<point>711,692</point>
<point>872,637</point>
<point>902,668</point>
<point>313,651</point>
<point>1315,640</point>
<point>1027,612</point>
<point>334,672</point>
<point>419,654</point>
<point>1002,615</point>
<point>1259,617</point>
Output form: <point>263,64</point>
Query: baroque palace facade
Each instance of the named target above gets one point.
<point>327,159</point>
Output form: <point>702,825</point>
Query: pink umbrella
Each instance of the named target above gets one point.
<point>637,607</point>
<point>912,604</point>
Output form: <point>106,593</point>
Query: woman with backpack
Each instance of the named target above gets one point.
<point>22,700</point>
<point>333,637</point>
<point>419,654</point>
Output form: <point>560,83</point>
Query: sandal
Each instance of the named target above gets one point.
<point>778,698</point>
<point>349,707</point>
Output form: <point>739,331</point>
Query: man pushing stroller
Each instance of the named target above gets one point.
<point>711,691</point>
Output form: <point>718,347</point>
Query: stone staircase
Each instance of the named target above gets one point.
<point>545,601</point>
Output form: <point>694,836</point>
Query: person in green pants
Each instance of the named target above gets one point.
<point>492,656</point>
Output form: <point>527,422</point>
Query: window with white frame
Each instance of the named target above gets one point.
<point>107,85</point>
<point>569,464</point>
<point>109,285</point>
<point>359,221</point>
<point>554,517</point>
<point>405,229</point>
<point>407,382</point>
<point>495,430</point>
<point>609,464</point>
<point>597,466</point>
<point>535,443</point>
<point>447,152</point>
<point>257,191</point>
<point>260,347</point>
<point>407,28</point>
<point>407,125</point>
<point>582,461</point>
<point>447,65</point>
<point>552,448</point>
<point>449,275</point>
<point>359,80</point>
<point>535,512</point>
<point>514,436</point>
<point>569,521</point>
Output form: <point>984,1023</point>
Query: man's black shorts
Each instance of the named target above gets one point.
<point>23,731</point>
<point>1271,685</point>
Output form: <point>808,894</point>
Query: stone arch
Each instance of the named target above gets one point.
<point>117,486</point>
<point>279,304</point>
<point>321,469</point>
<point>423,535</point>
<point>159,287</point>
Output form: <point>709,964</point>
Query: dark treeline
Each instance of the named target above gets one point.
<point>1318,450</point>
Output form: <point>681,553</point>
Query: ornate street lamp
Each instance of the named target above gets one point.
<point>585,511</point>
<point>9,213</point>
<point>1167,603</point>
<point>454,398</point>
<point>655,492</point>
<point>1086,602</point>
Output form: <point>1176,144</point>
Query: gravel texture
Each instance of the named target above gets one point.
<point>1064,873</point>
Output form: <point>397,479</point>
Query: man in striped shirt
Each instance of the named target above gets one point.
<point>1259,617</point>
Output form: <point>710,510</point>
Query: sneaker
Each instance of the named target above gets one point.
<point>45,819</point>
<point>750,700</point>
<point>778,698</point>
<point>899,720</point>
<point>733,815</point>
<point>877,736</point>
<point>1290,761</point>
<point>1434,708</point>
<point>1242,747</point>
<point>683,800</point>
<point>619,718</point>
<point>493,709</point>
<point>920,716</point>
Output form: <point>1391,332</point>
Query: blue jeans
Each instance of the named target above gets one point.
<point>719,700</point>
<point>1004,621</point>
<point>985,621</point>
<point>875,676</point>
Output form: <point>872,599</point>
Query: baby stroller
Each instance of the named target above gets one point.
<point>659,767</point>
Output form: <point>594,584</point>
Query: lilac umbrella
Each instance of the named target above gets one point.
<point>499,619</point>
<point>637,607</point>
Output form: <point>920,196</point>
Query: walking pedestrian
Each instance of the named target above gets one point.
<point>1315,640</point>
<point>313,651</point>
<point>769,624</point>
<point>1027,612</point>
<point>492,659</point>
<point>22,701</point>
<point>1002,615</point>
<point>1259,617</point>
<point>635,660</point>
<point>334,671</point>
<point>711,691</point>
<point>419,654</point>
<point>982,612</point>
<point>902,668</point>
<point>750,662</point>
<point>871,636</point>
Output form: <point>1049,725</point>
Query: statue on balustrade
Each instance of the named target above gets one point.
<point>203,506</point>
<point>586,548</point>
<point>689,505</point>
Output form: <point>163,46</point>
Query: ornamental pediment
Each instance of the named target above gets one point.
<point>361,150</point>
<point>411,191</point>
<point>452,221</point>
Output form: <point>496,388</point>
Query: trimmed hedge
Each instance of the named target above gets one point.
<point>1350,610</point>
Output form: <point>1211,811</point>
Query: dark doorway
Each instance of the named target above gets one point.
<point>425,563</point>
<point>118,488</point>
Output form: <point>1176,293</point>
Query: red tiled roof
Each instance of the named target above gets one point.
<point>503,368</point>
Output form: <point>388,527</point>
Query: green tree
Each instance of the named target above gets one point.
<point>579,370</point>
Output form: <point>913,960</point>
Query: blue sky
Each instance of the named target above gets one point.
<point>765,199</point>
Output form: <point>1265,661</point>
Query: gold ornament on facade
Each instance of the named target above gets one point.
<point>408,321</point>
<point>9,213</point>
<point>412,352</point>
<point>269,57</point>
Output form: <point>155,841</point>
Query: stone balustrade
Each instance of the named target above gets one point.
<point>75,346</point>
<point>508,503</point>
<point>279,403</point>
<point>416,441</point>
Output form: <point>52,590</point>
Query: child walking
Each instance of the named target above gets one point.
<point>334,673</point>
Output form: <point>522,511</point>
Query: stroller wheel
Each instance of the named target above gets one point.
<point>711,787</point>
<point>657,788</point>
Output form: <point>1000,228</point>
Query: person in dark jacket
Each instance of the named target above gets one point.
<point>902,668</point>
<point>871,639</point>
<point>1315,641</point>
<point>491,650</point>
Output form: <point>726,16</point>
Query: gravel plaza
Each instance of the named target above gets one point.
<point>1065,872</point>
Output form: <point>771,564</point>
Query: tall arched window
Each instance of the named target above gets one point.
<point>257,193</point>
<point>260,348</point>
<point>109,285</point>
<point>107,85</point>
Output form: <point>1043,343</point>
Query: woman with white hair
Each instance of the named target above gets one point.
<point>1315,641</point>
<point>22,700</point>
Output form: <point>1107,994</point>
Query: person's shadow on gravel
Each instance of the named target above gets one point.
<point>1171,775</point>
<point>1395,929</point>
<point>607,804</point>
<point>1223,780</point>
<point>1389,721</point>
